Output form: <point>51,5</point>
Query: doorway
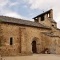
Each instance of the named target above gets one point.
<point>34,50</point>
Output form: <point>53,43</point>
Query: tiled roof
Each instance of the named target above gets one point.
<point>21,22</point>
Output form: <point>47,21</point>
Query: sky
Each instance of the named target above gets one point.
<point>27,9</point>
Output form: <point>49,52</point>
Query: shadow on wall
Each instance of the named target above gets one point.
<point>45,51</point>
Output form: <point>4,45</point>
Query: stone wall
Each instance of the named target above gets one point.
<point>22,39</point>
<point>7,32</point>
<point>23,36</point>
<point>58,46</point>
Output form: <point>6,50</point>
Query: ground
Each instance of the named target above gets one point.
<point>35,57</point>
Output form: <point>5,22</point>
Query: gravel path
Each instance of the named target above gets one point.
<point>34,57</point>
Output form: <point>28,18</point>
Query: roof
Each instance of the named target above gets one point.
<point>43,13</point>
<point>12,20</point>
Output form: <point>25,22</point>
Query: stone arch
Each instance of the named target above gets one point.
<point>37,45</point>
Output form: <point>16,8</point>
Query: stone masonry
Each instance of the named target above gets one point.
<point>22,37</point>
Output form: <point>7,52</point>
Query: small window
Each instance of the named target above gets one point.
<point>36,18</point>
<point>11,41</point>
<point>48,15</point>
<point>42,18</point>
<point>53,25</point>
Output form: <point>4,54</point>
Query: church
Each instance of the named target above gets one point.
<point>24,37</point>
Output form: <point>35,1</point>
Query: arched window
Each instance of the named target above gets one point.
<point>11,41</point>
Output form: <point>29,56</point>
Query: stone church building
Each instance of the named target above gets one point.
<point>23,37</point>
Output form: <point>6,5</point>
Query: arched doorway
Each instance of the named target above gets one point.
<point>34,50</point>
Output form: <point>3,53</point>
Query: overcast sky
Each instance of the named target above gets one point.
<point>27,9</point>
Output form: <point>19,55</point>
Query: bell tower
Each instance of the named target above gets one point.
<point>46,18</point>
